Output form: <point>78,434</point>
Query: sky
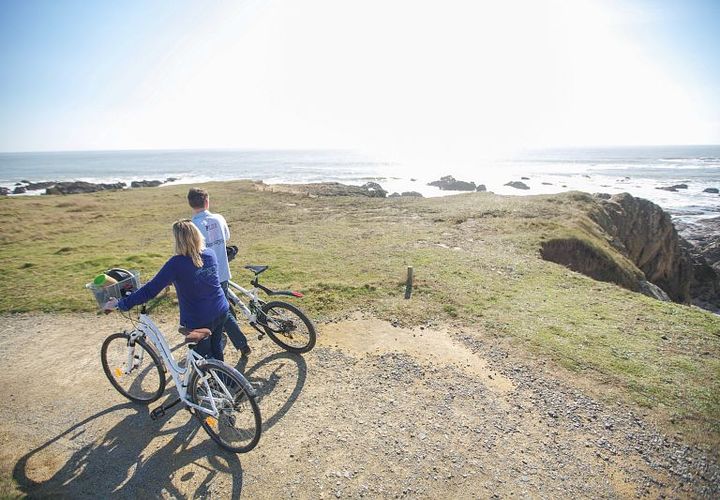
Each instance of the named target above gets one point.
<point>437,79</point>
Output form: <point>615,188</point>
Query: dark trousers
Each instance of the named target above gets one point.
<point>212,346</point>
<point>232,328</point>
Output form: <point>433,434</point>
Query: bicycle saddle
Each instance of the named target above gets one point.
<point>257,269</point>
<point>194,336</point>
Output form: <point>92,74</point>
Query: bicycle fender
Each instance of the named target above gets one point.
<point>247,386</point>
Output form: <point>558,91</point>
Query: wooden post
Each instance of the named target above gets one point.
<point>409,282</point>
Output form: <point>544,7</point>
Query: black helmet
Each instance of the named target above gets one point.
<point>127,285</point>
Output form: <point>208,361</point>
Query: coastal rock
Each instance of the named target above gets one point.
<point>673,188</point>
<point>645,234</point>
<point>518,185</point>
<point>411,194</point>
<point>643,251</point>
<point>76,187</point>
<point>34,186</point>
<point>144,183</point>
<point>711,190</point>
<point>322,189</point>
<point>374,190</point>
<point>547,183</point>
<point>19,190</point>
<point>602,196</point>
<point>524,178</point>
<point>4,191</point>
<point>481,188</point>
<point>449,183</point>
<point>701,240</point>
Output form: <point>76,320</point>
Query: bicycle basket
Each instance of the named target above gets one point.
<point>117,290</point>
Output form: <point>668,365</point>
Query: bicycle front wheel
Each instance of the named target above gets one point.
<point>288,326</point>
<point>234,420</point>
<point>134,369</point>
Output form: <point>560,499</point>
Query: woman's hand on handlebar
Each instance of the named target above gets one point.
<point>110,305</point>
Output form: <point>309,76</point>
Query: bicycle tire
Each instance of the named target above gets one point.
<point>280,322</point>
<point>239,419</point>
<point>145,382</point>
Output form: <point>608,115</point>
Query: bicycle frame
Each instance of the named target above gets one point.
<point>147,329</point>
<point>251,294</point>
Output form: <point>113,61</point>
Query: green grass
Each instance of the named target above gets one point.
<point>476,261</point>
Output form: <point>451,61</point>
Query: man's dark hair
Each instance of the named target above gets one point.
<point>197,197</point>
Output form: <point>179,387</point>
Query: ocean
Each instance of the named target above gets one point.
<point>637,170</point>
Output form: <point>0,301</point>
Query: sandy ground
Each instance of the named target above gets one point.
<point>373,411</point>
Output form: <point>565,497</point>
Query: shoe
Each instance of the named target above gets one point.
<point>245,351</point>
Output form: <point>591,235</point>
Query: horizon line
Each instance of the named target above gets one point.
<point>249,149</point>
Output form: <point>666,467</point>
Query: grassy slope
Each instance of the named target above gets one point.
<point>476,263</point>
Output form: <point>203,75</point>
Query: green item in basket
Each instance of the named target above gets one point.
<point>104,280</point>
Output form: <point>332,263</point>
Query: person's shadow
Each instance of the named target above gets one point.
<point>122,464</point>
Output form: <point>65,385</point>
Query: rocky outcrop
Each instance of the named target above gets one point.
<point>481,188</point>
<point>19,190</point>
<point>144,183</point>
<point>632,242</point>
<point>374,190</point>
<point>370,189</point>
<point>584,257</point>
<point>4,191</point>
<point>449,183</point>
<point>711,190</point>
<point>34,186</point>
<point>701,241</point>
<point>518,185</point>
<point>76,187</point>
<point>411,194</point>
<point>673,188</point>
<point>645,234</point>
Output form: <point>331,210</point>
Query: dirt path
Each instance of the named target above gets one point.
<point>373,411</point>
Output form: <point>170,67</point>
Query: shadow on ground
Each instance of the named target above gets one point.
<point>134,458</point>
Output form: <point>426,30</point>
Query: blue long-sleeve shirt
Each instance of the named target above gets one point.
<point>200,296</point>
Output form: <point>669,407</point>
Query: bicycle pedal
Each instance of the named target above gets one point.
<point>157,413</point>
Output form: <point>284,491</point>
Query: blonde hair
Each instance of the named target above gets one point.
<point>188,241</point>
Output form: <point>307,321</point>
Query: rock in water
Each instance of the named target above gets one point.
<point>711,190</point>
<point>374,190</point>
<point>144,183</point>
<point>518,185</point>
<point>77,187</point>
<point>449,183</point>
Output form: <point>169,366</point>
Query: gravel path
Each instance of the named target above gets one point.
<point>373,411</point>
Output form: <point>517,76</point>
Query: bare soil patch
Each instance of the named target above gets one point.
<point>373,410</point>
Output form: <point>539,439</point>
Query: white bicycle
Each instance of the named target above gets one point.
<point>218,395</point>
<point>285,323</point>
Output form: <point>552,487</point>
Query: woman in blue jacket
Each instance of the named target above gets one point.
<point>194,272</point>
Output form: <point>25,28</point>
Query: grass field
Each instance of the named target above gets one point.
<point>476,261</point>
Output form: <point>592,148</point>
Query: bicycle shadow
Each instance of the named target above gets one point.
<point>123,463</point>
<point>272,379</point>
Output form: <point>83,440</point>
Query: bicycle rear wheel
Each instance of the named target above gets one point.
<point>134,369</point>
<point>237,425</point>
<point>288,326</point>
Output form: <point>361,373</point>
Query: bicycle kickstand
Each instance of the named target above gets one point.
<point>160,410</point>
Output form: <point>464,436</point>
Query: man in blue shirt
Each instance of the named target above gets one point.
<point>215,230</point>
